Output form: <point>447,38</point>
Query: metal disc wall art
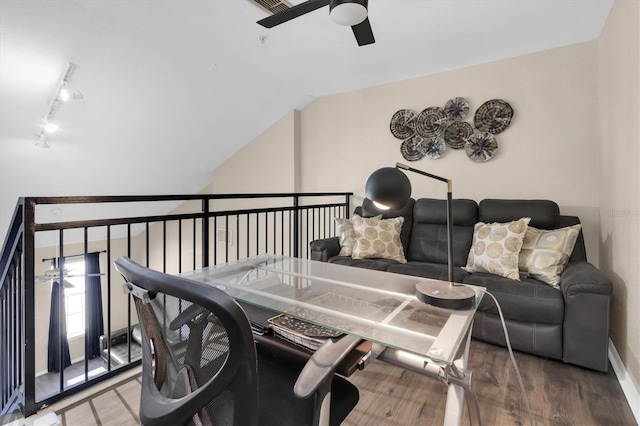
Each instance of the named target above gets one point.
<point>413,148</point>
<point>456,109</point>
<point>435,148</point>
<point>481,147</point>
<point>493,116</point>
<point>431,122</point>
<point>457,133</point>
<point>403,124</point>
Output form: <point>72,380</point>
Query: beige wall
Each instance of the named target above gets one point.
<point>574,139</point>
<point>619,136</point>
<point>269,163</point>
<point>550,151</point>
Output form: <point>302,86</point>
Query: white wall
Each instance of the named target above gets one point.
<point>619,184</point>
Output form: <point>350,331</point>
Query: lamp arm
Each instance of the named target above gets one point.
<point>449,214</point>
<point>420,172</point>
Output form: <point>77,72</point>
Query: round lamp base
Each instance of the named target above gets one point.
<point>442,295</point>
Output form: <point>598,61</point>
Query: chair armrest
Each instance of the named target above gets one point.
<point>583,277</point>
<point>321,366</point>
<point>325,248</point>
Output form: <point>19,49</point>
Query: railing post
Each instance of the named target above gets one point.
<point>28,302</point>
<point>205,233</point>
<point>347,200</point>
<point>296,224</point>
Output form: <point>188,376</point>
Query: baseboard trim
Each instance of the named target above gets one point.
<point>630,391</point>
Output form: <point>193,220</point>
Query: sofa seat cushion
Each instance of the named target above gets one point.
<point>435,271</point>
<point>527,300</point>
<point>120,353</point>
<point>540,339</point>
<point>375,264</point>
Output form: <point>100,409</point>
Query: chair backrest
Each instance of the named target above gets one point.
<point>208,375</point>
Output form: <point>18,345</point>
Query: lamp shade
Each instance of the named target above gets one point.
<point>348,12</point>
<point>388,187</point>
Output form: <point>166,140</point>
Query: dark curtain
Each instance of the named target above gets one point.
<point>56,329</point>
<point>93,305</point>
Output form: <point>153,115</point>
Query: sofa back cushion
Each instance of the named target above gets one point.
<point>370,210</point>
<point>544,214</point>
<point>429,235</point>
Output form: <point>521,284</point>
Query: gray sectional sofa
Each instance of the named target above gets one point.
<point>569,323</point>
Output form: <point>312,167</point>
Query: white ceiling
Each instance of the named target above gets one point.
<point>172,88</point>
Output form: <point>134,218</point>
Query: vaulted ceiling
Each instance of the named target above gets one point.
<point>172,88</point>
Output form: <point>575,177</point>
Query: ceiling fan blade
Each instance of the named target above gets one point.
<point>363,33</point>
<point>293,12</point>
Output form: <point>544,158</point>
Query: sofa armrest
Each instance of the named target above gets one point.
<point>583,277</point>
<point>117,337</point>
<point>587,297</point>
<point>324,249</point>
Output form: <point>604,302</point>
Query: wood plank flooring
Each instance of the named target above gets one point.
<point>559,394</point>
<point>49,384</point>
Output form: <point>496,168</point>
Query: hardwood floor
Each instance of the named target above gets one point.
<point>558,393</point>
<point>49,384</point>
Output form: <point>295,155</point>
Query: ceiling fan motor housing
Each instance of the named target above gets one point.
<point>348,12</point>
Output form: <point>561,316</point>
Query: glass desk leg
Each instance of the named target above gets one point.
<point>456,376</point>
<point>456,391</point>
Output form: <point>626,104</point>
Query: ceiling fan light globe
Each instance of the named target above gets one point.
<point>348,13</point>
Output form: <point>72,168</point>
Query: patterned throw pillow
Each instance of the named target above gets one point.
<point>346,234</point>
<point>545,253</point>
<point>378,239</point>
<point>496,247</point>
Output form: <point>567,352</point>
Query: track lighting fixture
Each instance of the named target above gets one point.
<point>64,93</point>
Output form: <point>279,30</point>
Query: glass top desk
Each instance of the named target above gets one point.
<point>377,306</point>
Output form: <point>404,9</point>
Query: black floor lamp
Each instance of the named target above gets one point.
<point>389,188</point>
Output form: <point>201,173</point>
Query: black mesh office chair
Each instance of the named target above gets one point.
<point>200,364</point>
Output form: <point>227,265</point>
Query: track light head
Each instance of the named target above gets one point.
<point>64,93</point>
<point>49,126</point>
<point>68,93</point>
<point>43,141</point>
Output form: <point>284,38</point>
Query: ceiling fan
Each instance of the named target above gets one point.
<point>344,12</point>
<point>53,274</point>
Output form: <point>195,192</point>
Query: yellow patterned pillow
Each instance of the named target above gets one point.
<point>346,234</point>
<point>378,238</point>
<point>544,253</point>
<point>496,247</point>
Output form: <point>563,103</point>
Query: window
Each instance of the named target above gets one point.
<point>74,296</point>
